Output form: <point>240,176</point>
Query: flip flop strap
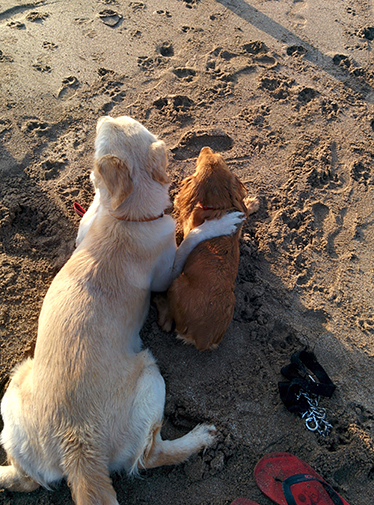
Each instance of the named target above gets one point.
<point>301,477</point>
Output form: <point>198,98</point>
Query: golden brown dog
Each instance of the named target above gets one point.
<point>91,400</point>
<point>201,300</point>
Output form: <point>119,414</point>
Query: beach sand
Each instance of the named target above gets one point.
<point>285,91</point>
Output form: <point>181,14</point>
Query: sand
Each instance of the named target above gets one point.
<point>285,91</point>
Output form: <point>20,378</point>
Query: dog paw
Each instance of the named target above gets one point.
<point>232,221</point>
<point>228,224</point>
<point>252,204</point>
<point>207,433</point>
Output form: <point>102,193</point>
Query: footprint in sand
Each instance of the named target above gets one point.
<point>42,64</point>
<point>110,85</point>
<point>35,126</point>
<point>361,172</point>
<point>259,52</point>
<point>49,45</point>
<point>283,338</point>
<point>137,6</point>
<point>191,143</point>
<point>306,94</point>
<point>37,17</point>
<point>187,29</point>
<point>342,60</point>
<point>329,108</point>
<point>277,85</point>
<point>85,22</point>
<point>16,25</point>
<point>5,127</point>
<point>166,49</point>
<point>164,13</point>
<point>69,85</point>
<point>339,230</point>
<point>366,33</point>
<point>135,34</point>
<point>51,168</point>
<point>219,65</point>
<point>255,47</point>
<point>299,20</point>
<point>169,105</point>
<point>190,3</point>
<point>296,51</point>
<point>115,98</point>
<point>265,61</point>
<point>184,73</point>
<point>110,18</point>
<point>5,58</point>
<point>148,63</point>
<point>228,65</point>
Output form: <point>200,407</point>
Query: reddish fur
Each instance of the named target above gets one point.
<point>201,300</point>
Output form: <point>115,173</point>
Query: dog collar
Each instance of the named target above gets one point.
<point>141,220</point>
<point>81,212</point>
<point>206,207</point>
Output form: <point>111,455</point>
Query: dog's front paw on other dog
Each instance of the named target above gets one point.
<point>227,224</point>
<point>201,300</point>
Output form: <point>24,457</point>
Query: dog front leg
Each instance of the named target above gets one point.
<point>172,261</point>
<point>226,225</point>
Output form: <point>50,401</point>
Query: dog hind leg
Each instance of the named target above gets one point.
<point>173,452</point>
<point>14,480</point>
<point>165,320</point>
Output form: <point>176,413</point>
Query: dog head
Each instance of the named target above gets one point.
<point>129,162</point>
<point>209,192</point>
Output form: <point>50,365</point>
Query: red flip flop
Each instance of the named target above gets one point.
<point>243,501</point>
<point>287,480</point>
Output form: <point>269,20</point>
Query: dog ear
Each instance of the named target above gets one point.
<point>159,162</point>
<point>116,177</point>
<point>238,193</point>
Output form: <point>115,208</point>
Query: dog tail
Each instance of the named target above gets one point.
<point>90,486</point>
<point>88,475</point>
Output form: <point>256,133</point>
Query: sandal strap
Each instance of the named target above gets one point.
<point>302,477</point>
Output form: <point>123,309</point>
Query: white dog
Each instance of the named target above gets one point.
<point>91,401</point>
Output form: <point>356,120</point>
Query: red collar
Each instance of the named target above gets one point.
<point>141,220</point>
<point>206,207</point>
<point>81,212</point>
<point>79,209</point>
